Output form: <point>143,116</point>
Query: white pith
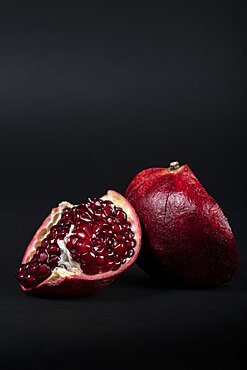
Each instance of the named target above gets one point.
<point>66,266</point>
<point>65,261</point>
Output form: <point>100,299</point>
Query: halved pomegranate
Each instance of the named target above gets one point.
<point>82,248</point>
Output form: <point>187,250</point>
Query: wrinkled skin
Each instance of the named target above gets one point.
<point>187,238</point>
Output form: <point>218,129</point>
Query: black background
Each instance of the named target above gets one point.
<point>90,94</point>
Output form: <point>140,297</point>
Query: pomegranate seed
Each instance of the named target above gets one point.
<point>29,281</point>
<point>119,237</point>
<point>80,233</point>
<point>88,258</point>
<point>128,235</point>
<point>107,208</point>
<point>81,208</point>
<point>95,228</point>
<point>35,257</point>
<point>21,269</point>
<point>89,209</point>
<point>22,278</point>
<point>116,263</point>
<point>130,253</point>
<point>54,261</point>
<point>99,248</point>
<point>54,231</point>
<point>101,223</point>
<point>110,252</point>
<point>120,248</point>
<point>106,231</point>
<point>71,241</point>
<point>86,230</point>
<point>63,231</point>
<point>100,261</point>
<point>55,228</point>
<point>40,250</point>
<point>34,269</point>
<point>109,242</point>
<point>43,257</point>
<point>97,241</point>
<point>96,203</point>
<point>76,256</point>
<point>44,270</point>
<point>120,215</point>
<point>126,226</point>
<point>117,228</point>
<point>99,214</point>
<point>65,216</point>
<point>53,249</point>
<point>83,246</point>
<point>85,218</point>
<point>110,220</point>
<point>107,267</point>
<point>130,243</point>
<point>90,269</point>
<point>45,242</point>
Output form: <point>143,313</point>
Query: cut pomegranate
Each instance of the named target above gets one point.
<point>81,248</point>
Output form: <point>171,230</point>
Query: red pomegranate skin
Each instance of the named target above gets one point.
<point>186,237</point>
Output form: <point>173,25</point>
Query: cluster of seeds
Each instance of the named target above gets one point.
<point>97,235</point>
<point>43,261</point>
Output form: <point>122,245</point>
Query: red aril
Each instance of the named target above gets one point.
<point>80,249</point>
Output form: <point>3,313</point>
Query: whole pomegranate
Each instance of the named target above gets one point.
<point>186,237</point>
<point>80,249</point>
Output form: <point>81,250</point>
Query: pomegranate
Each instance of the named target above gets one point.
<point>80,249</point>
<point>186,237</point>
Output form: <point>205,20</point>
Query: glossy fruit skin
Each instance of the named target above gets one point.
<point>186,237</point>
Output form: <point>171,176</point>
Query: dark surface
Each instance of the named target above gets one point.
<point>90,95</point>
